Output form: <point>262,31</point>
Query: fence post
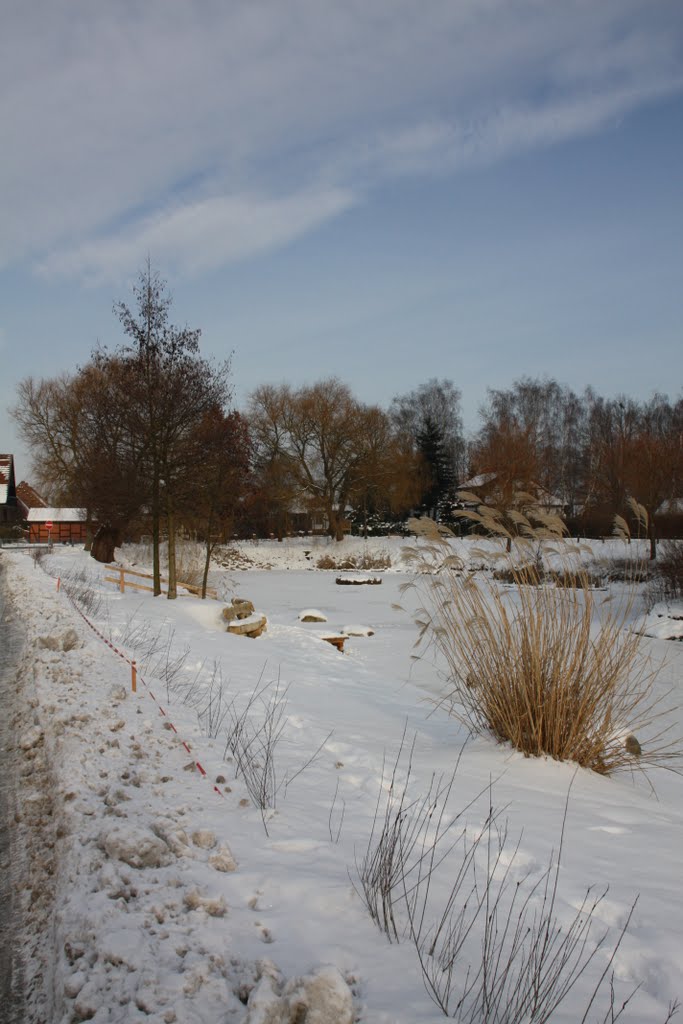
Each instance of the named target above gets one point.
<point>133,677</point>
<point>122,586</point>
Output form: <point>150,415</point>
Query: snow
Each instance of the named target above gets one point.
<point>665,621</point>
<point>178,899</point>
<point>56,515</point>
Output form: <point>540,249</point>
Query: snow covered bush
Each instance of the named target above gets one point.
<point>546,668</point>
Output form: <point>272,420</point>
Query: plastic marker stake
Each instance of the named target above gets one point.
<point>133,677</point>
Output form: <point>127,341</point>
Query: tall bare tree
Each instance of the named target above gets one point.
<point>316,436</point>
<point>173,388</point>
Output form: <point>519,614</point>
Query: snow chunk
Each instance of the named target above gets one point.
<point>136,847</point>
<point>665,621</point>
<point>222,859</point>
<point>204,839</point>
<point>31,738</point>
<point>321,997</point>
<point>193,900</point>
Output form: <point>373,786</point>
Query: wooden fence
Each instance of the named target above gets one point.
<point>123,582</point>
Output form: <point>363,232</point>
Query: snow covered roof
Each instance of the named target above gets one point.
<point>56,515</point>
<point>6,473</point>
<point>477,481</point>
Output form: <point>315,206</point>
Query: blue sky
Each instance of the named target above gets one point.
<point>378,189</point>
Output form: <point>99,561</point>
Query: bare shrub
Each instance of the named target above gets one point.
<point>214,709</point>
<point>544,668</point>
<point>253,733</point>
<point>670,569</point>
<point>79,585</point>
<point>366,560</point>
<point>494,950</point>
<point>404,846</point>
<point>527,962</point>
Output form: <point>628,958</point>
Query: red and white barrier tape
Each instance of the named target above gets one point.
<point>200,768</point>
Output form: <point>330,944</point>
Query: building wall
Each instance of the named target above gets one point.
<point>62,533</point>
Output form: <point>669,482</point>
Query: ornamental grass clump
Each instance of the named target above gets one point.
<point>550,669</point>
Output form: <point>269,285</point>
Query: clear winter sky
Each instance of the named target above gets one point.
<point>385,190</point>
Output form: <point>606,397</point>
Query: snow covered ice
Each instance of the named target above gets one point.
<point>156,892</point>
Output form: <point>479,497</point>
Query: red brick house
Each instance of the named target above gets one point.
<point>9,507</point>
<point>68,525</point>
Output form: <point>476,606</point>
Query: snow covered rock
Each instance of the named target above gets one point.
<point>312,615</point>
<point>665,621</point>
<point>357,630</point>
<point>136,847</point>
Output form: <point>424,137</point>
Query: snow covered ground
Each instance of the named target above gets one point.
<point>177,898</point>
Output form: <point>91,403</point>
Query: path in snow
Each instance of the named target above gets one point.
<point>11,976</point>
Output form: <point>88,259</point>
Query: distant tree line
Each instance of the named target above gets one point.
<point>144,438</point>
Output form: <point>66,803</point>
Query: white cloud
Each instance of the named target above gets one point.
<point>129,123</point>
<point>202,235</point>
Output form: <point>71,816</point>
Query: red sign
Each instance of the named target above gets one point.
<point>48,524</point>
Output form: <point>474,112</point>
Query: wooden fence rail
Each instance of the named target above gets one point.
<point>123,582</point>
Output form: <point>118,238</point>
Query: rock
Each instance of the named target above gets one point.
<point>632,745</point>
<point>136,847</point>
<point>358,630</point>
<point>312,615</point>
<point>251,626</point>
<point>238,609</point>
<point>118,693</point>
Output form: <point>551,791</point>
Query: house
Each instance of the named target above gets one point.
<point>68,525</point>
<point>27,498</point>
<point>485,485</point>
<point>9,507</point>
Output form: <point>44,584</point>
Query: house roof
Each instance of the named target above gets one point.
<point>543,497</point>
<point>56,515</point>
<point>29,497</point>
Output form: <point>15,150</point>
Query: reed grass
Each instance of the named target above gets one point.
<point>553,670</point>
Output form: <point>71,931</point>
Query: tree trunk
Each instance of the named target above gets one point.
<point>207,560</point>
<point>88,531</point>
<point>156,517</point>
<point>653,537</point>
<point>105,543</point>
<point>172,587</point>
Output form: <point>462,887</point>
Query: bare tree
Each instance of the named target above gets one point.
<point>316,437</point>
<point>173,388</point>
